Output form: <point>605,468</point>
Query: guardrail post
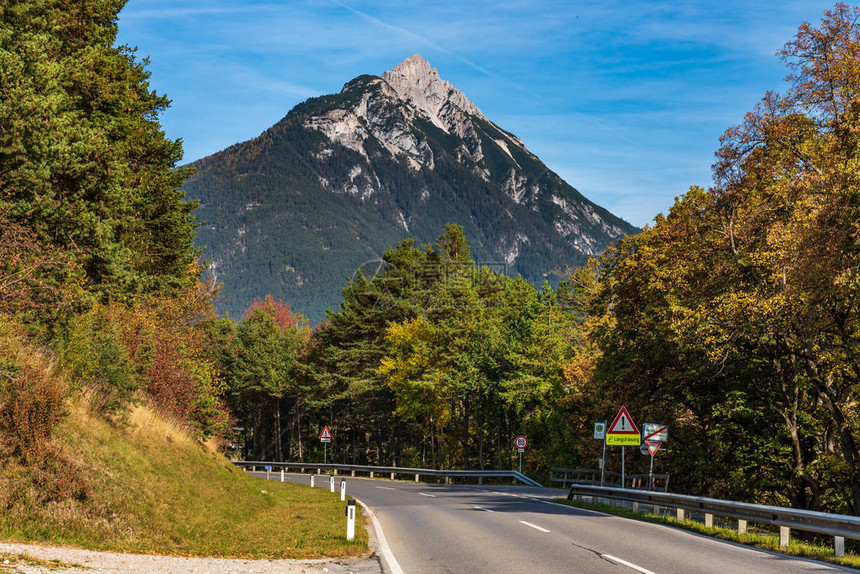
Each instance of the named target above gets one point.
<point>342,489</point>
<point>352,473</point>
<point>679,514</point>
<point>656,510</point>
<point>480,480</point>
<point>446,480</point>
<point>742,526</point>
<point>371,474</point>
<point>709,520</point>
<point>635,507</point>
<point>392,476</point>
<point>784,535</point>
<point>350,520</point>
<point>838,546</point>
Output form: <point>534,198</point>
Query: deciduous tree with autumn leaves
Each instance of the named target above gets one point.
<point>736,315</point>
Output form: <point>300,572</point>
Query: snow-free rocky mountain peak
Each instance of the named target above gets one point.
<point>418,83</point>
<point>295,211</point>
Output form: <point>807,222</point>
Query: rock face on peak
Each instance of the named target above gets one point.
<point>418,83</point>
<point>297,210</point>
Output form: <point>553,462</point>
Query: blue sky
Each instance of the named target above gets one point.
<point>625,100</point>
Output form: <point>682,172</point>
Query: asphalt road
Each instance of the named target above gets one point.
<point>437,529</point>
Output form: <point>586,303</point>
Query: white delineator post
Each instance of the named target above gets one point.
<point>312,481</point>
<point>343,490</point>
<point>350,520</point>
<point>331,482</point>
<point>282,475</point>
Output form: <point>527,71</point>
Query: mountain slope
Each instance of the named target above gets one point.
<point>342,177</point>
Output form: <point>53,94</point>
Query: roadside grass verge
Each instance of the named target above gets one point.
<point>145,486</point>
<point>763,539</point>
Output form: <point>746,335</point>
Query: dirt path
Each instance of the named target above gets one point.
<point>31,558</point>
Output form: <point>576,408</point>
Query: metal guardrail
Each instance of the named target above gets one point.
<point>592,476</point>
<point>394,470</point>
<point>839,526</point>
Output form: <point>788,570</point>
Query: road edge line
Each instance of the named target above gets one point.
<point>384,549</point>
<point>612,558</point>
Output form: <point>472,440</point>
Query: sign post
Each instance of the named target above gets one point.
<point>600,434</point>
<point>654,436</point>
<point>325,437</point>
<point>623,432</point>
<point>653,447</point>
<point>521,443</point>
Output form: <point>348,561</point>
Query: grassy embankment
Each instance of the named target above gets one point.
<point>760,539</point>
<point>147,487</point>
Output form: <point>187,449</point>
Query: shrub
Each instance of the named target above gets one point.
<point>31,406</point>
<point>97,360</point>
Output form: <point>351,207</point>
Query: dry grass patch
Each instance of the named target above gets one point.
<point>154,489</point>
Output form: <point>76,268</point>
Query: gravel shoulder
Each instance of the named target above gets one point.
<point>33,558</point>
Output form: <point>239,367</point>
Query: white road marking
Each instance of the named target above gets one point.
<point>626,563</point>
<point>384,549</point>
<point>425,494</point>
<point>385,488</point>
<point>535,526</point>
<point>576,508</point>
<point>484,509</point>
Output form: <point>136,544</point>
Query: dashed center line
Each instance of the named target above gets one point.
<point>425,494</point>
<point>385,488</point>
<point>626,563</point>
<point>536,527</point>
<point>482,508</point>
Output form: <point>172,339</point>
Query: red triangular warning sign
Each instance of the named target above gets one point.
<point>325,434</point>
<point>653,446</point>
<point>623,424</point>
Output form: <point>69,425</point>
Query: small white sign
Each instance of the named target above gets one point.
<point>600,430</point>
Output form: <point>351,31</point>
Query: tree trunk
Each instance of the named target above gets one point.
<point>299,432</point>
<point>843,429</point>
<point>279,447</point>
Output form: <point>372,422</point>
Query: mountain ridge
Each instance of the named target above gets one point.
<point>344,176</point>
